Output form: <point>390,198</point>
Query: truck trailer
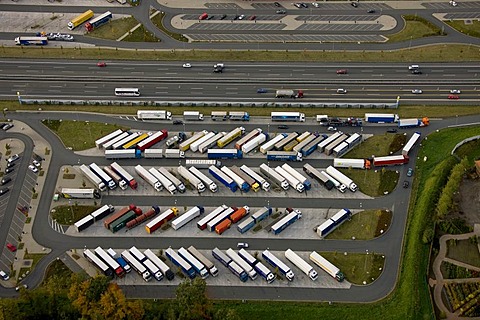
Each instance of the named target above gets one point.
<point>390,160</point>
<point>194,147</point>
<point>411,143</point>
<point>197,265</point>
<point>238,116</point>
<point>147,215</point>
<point>243,185</point>
<point>220,218</point>
<point>192,116</point>
<point>229,137</point>
<point>277,263</point>
<point>327,266</point>
<point>98,21</point>
<point>287,116</point>
<point>154,115</point>
<point>306,183</point>
<point>80,193</point>
<point>167,273</point>
<point>261,269</point>
<point>167,184</point>
<point>125,175</point>
<point>249,136</point>
<point>178,184</point>
<point>148,177</point>
<point>292,181</point>
<point>301,264</point>
<point>212,186</point>
<point>153,269</point>
<point>136,265</point>
<point>202,224</point>
<point>152,140</point>
<point>288,94</point>
<point>339,186</point>
<point>291,217</point>
<point>122,154</point>
<point>261,214</point>
<point>284,156</point>
<point>185,145</point>
<point>97,182</point>
<point>242,263</point>
<point>211,142</point>
<point>258,178</point>
<point>226,180</point>
<point>283,142</point>
<point>342,178</point>
<point>231,265</point>
<point>224,154</point>
<point>249,180</point>
<point>99,142</point>
<point>317,175</point>
<point>118,180</point>
<point>191,178</point>
<point>180,262</point>
<point>413,123</point>
<point>187,217</point>
<point>206,262</point>
<point>381,117</point>
<point>254,143</point>
<point>270,144</point>
<point>274,176</point>
<point>351,163</point>
<point>202,163</point>
<point>161,220</point>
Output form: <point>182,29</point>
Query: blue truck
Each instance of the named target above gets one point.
<point>381,117</point>
<point>337,219</point>
<point>277,263</point>
<point>223,178</point>
<point>284,156</point>
<point>180,262</point>
<point>312,146</point>
<point>261,214</point>
<point>227,262</point>
<point>224,154</point>
<point>291,217</point>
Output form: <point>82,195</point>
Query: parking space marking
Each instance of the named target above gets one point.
<point>337,18</point>
<point>340,27</point>
<point>446,5</point>
<point>222,6</point>
<point>287,38</point>
<point>462,15</point>
<point>236,26</point>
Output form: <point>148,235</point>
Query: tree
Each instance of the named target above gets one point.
<point>191,302</point>
<point>113,304</point>
<point>85,296</point>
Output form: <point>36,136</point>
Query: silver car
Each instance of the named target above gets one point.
<point>417,91</point>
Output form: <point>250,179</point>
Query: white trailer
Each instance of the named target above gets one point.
<point>294,183</point>
<point>202,224</point>
<point>124,174</point>
<point>267,146</point>
<point>304,143</point>
<point>167,184</point>
<point>100,142</point>
<point>109,144</point>
<point>327,141</point>
<point>277,263</point>
<point>342,178</point>
<point>97,182</point>
<point>185,145</point>
<point>173,154</point>
<point>246,138</point>
<point>255,176</point>
<point>197,265</point>
<point>206,262</point>
<point>160,264</point>
<point>275,176</point>
<point>178,184</point>
<point>148,177</point>
<point>253,143</point>
<point>124,141</point>
<point>191,178</point>
<point>136,265</point>
<point>186,217</point>
<point>153,153</point>
<point>80,193</point>
<point>242,263</point>
<point>211,142</point>
<point>301,264</point>
<point>340,186</point>
<point>257,265</point>
<point>297,175</point>
<point>122,154</point>
<point>206,180</point>
<point>192,115</point>
<point>202,163</point>
<point>103,176</point>
<point>154,115</point>
<point>219,218</point>
<point>153,269</point>
<point>327,266</point>
<point>350,163</point>
<point>242,184</point>
<point>195,145</point>
<point>119,180</point>
<point>411,142</point>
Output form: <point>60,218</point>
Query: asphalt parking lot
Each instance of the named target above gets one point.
<point>286,38</point>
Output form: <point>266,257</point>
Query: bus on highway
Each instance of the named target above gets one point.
<point>133,92</point>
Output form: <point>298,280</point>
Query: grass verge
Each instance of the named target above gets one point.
<point>364,225</point>
<point>415,28</point>
<point>114,29</point>
<point>464,251</point>
<point>472,29</point>
<point>378,145</point>
<point>157,20</point>
<point>141,34</point>
<point>68,215</point>
<point>57,269</point>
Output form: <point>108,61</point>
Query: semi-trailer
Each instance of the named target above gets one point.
<point>313,145</point>
<point>152,140</point>
<point>413,123</point>
<point>284,156</point>
<point>231,265</point>
<point>223,178</point>
<point>289,146</point>
<point>299,147</point>
<point>132,144</point>
<point>353,140</point>
<point>249,180</point>
<point>172,141</point>
<point>118,180</point>
<point>109,144</point>
<point>261,214</point>
<point>219,115</point>
<point>154,115</point>
<point>288,94</point>
<point>270,144</point>
<point>197,265</point>
<point>327,141</point>
<point>121,222</point>
<point>137,254</point>
<point>148,177</point>
<point>167,273</point>
<point>291,217</point>
<point>80,193</point>
<point>381,117</point>
<point>202,224</point>
<point>275,176</point>
<point>97,182</point>
<point>136,265</point>
<point>254,143</point>
<point>258,178</point>
<point>78,20</point>
<point>229,137</point>
<point>98,21</point>
<point>219,218</point>
<point>187,217</point>
<point>178,184</point>
<point>351,163</point>
<point>390,160</point>
<point>211,142</point>
<point>317,175</point>
<point>224,154</point>
<point>169,154</point>
<point>90,219</point>
<point>191,178</point>
<point>301,264</point>
<point>283,142</point>
<point>125,175</point>
<point>411,142</point>
<point>120,260</point>
<point>102,212</point>
<point>222,257</point>
<point>192,116</point>
<point>246,225</point>
<point>202,163</point>
<point>238,214</point>
<point>243,185</point>
<point>185,145</point>
<point>287,116</point>
<point>130,137</point>
<point>90,256</point>
<point>342,178</point>
<point>159,221</point>
<point>292,181</point>
<point>341,149</point>
<point>167,184</point>
<point>249,136</point>
<point>153,269</point>
<point>84,223</point>
<point>325,228</point>
<point>153,211</point>
<point>99,142</point>
<point>329,149</point>
<point>238,116</point>
<point>297,175</point>
<point>112,263</point>
<point>206,262</point>
<point>339,186</point>
<point>261,269</point>
<point>180,262</point>
<point>327,266</point>
<point>242,263</point>
<point>123,154</point>
<point>303,136</point>
<point>212,186</point>
<point>277,263</point>
<point>196,144</point>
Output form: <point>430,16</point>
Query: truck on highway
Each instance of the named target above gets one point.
<point>254,143</point>
<point>226,180</point>
<point>187,217</point>
<point>192,116</point>
<point>167,184</point>
<point>249,136</point>
<point>178,184</point>
<point>258,178</point>
<point>351,163</point>
<point>191,178</point>
<point>291,217</point>
<point>78,20</point>
<point>242,184</point>
<point>288,94</point>
<point>327,266</point>
<point>229,137</point>
<point>284,156</point>
<point>152,212</point>
<point>153,269</point>
<point>292,181</point>
<point>249,180</point>
<point>274,176</point>
<point>381,117</point>
<point>212,186</point>
<point>390,160</point>
<point>339,186</point>
<point>261,269</point>
<point>238,116</point>
<point>197,265</point>
<point>148,177</point>
<point>287,116</point>
<point>242,263</point>
<point>194,147</point>
<point>101,141</point>
<point>261,214</point>
<point>98,21</point>
<point>161,220</point>
<point>270,144</point>
<point>211,142</point>
<point>297,175</point>
<point>301,264</point>
<point>202,163</point>
<point>152,140</point>
<point>224,154</point>
<point>123,154</point>
<point>167,273</point>
<point>277,263</point>
<point>413,123</point>
<point>97,182</point>
<point>202,224</point>
<point>342,178</point>
<point>79,193</point>
<point>136,265</point>
<point>154,115</point>
<point>180,262</point>
<point>185,145</point>
<point>231,265</point>
<point>206,262</point>
<point>118,180</point>
<point>125,175</point>
<point>317,175</point>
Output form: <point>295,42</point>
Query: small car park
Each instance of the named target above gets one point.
<point>13,158</point>
<point>453,97</point>
<point>187,65</point>
<point>406,184</point>
<point>455,91</point>
<point>417,91</point>
<point>101,64</point>
<point>262,90</point>
<point>409,172</point>
<point>4,275</point>
<point>242,245</point>
<point>11,247</point>
<point>33,168</point>
<point>342,91</point>
<point>342,71</point>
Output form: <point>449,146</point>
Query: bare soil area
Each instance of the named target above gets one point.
<point>468,201</point>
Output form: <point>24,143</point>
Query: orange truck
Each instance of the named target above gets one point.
<point>223,226</point>
<point>239,214</point>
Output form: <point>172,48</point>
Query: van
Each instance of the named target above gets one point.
<point>413,67</point>
<point>5,180</point>
<point>4,276</point>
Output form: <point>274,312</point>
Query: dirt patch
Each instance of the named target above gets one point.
<point>468,201</point>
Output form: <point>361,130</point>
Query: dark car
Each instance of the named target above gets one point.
<point>406,184</point>
<point>416,71</point>
<point>223,16</point>
<point>5,180</point>
<point>354,4</point>
<point>210,17</point>
<point>10,164</point>
<point>177,122</point>
<point>2,125</point>
<point>277,4</point>
<point>392,130</point>
<point>283,126</point>
<point>371,11</point>
<point>409,172</point>
<point>281,11</point>
<point>262,90</point>
<point>8,170</point>
<point>342,71</point>
<point>3,191</point>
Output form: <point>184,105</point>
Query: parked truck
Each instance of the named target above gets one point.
<point>197,265</point>
<point>185,145</point>
<point>270,144</point>
<point>191,178</point>
<point>291,217</point>
<point>306,183</point>
<point>246,225</point>
<point>381,117</point>
<point>292,181</point>
<point>351,163</point>
<point>249,136</point>
<point>342,178</point>
<point>229,137</point>
<point>167,273</point>
<point>153,269</point>
<point>194,147</point>
<point>152,140</point>
<point>274,176</point>
<point>339,186</point>
<point>79,193</point>
<point>231,265</point>
<point>211,142</point>
<point>180,262</point>
<point>178,184</point>
<point>78,20</point>
<point>98,21</point>
<point>287,116</point>
<point>101,141</point>
<point>283,142</point>
<point>192,116</point>
<point>97,182</point>
<point>329,225</point>
<point>136,265</point>
<point>202,163</point>
<point>226,180</point>
<point>171,154</point>
<point>254,143</point>
<point>219,115</point>
<point>317,175</point>
<point>154,115</point>
<point>242,184</point>
<point>118,180</point>
<point>242,263</point>
<point>125,175</point>
<point>103,176</point>
<point>312,146</point>
<point>284,156</point>
<point>27,41</point>
<point>120,260</point>
<point>277,263</point>
<point>172,141</point>
<point>413,123</point>
<point>220,218</point>
<point>212,186</point>
<point>261,269</point>
<point>148,177</point>
<point>238,116</point>
<point>206,262</point>
<point>411,143</point>
<point>109,144</point>
<point>301,264</point>
<point>152,212</point>
<point>161,220</point>
<point>167,184</point>
<point>238,214</point>
<point>249,180</point>
<point>224,154</point>
<point>202,224</point>
<point>187,217</point>
<point>390,160</point>
<point>327,266</point>
<point>123,154</point>
<point>258,178</point>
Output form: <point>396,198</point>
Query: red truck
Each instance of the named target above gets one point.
<point>390,160</point>
<point>118,214</point>
<point>223,226</point>
<point>239,214</point>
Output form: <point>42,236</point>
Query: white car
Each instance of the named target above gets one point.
<point>187,65</point>
<point>342,91</point>
<point>331,129</point>
<point>241,17</point>
<point>19,287</point>
<point>36,163</point>
<point>33,168</point>
<point>13,158</point>
<point>4,276</point>
<point>316,4</point>
<point>417,91</point>
<point>453,3</point>
<point>455,91</point>
<point>242,245</point>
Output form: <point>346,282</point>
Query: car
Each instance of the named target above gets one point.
<point>33,168</point>
<point>11,247</point>
<point>177,122</point>
<point>2,125</point>
<point>223,16</point>
<point>4,276</point>
<point>453,97</point>
<point>101,64</point>
<point>406,184</point>
<point>455,91</point>
<point>9,170</point>
<point>20,287</point>
<point>10,164</point>
<point>5,180</point>
<point>297,4</point>
<point>409,172</point>
<point>36,163</point>
<point>242,245</point>
<point>417,91</point>
<point>331,129</point>
<point>241,17</point>
<point>342,91</point>
<point>252,17</point>
<point>281,11</point>
<point>354,4</point>
<point>304,5</point>
<point>277,4</point>
<point>283,126</point>
<point>371,11</point>
<point>453,3</point>
<point>316,4</point>
<point>8,126</point>
<point>262,90</point>
<point>13,158</point>
<point>416,71</point>
<point>342,71</point>
<point>187,65</point>
<point>392,130</point>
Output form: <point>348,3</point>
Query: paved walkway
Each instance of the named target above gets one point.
<point>439,281</point>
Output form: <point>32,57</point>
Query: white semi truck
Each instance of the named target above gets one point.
<point>342,178</point>
<point>191,178</point>
<point>292,181</point>
<point>275,176</point>
<point>167,184</point>
<point>148,177</point>
<point>97,182</point>
<point>206,180</point>
<point>301,264</point>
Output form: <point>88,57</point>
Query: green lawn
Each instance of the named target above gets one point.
<point>464,251</point>
<point>413,30</point>
<point>114,29</point>
<point>364,225</point>
<point>68,215</point>
<point>158,22</point>
<point>378,145</point>
<point>141,35</point>
<point>472,29</point>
